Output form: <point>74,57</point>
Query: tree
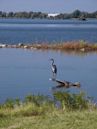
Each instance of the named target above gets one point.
<point>3,14</point>
<point>76,14</point>
<point>10,14</point>
<point>0,13</point>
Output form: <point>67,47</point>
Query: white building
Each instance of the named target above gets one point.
<point>53,14</point>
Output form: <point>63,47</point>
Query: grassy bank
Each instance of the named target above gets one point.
<point>54,120</point>
<point>41,112</point>
<point>70,46</point>
<point>77,46</point>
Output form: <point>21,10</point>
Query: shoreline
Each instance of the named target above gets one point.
<point>37,112</point>
<point>77,46</point>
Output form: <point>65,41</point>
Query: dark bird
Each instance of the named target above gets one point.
<point>54,68</point>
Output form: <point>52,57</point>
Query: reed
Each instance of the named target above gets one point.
<point>79,46</point>
<point>74,45</point>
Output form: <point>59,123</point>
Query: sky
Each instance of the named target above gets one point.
<point>49,6</point>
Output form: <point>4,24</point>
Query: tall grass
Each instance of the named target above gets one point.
<point>72,101</point>
<point>66,110</point>
<point>40,104</point>
<point>74,45</point>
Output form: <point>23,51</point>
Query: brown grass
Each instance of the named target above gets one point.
<point>79,46</point>
<point>76,46</point>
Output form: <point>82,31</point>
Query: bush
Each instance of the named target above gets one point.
<point>38,100</point>
<point>70,101</point>
<point>9,103</point>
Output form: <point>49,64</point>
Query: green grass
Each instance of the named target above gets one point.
<point>54,120</point>
<point>75,111</point>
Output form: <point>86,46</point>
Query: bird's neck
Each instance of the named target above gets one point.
<point>52,62</point>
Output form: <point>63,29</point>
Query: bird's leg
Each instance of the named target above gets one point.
<point>54,76</point>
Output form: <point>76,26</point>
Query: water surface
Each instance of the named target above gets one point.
<point>14,31</point>
<point>28,71</point>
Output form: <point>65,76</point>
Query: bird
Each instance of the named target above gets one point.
<point>54,68</point>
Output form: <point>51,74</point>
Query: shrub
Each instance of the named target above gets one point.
<point>71,101</point>
<point>9,103</point>
<point>38,100</point>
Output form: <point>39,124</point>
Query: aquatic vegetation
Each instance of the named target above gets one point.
<point>77,46</point>
<point>74,45</point>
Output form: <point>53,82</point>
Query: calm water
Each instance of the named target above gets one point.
<point>28,71</point>
<point>13,31</point>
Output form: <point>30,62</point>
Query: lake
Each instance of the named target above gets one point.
<point>24,72</point>
<point>28,71</point>
<point>14,31</point>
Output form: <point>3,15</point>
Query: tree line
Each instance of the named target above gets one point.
<point>32,15</point>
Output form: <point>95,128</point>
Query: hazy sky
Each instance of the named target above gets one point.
<point>48,5</point>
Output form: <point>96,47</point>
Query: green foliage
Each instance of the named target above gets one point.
<point>28,110</point>
<point>53,120</point>
<point>71,101</point>
<point>17,101</point>
<point>36,105</point>
<point>41,15</point>
<point>76,14</point>
<point>38,100</point>
<point>9,103</point>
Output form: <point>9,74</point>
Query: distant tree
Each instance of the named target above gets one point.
<point>94,14</point>
<point>3,14</point>
<point>10,14</point>
<point>0,13</point>
<point>22,15</point>
<point>76,14</point>
<point>60,16</point>
<point>31,14</point>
